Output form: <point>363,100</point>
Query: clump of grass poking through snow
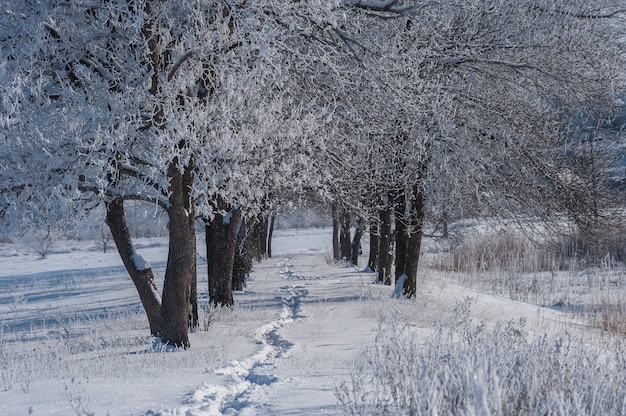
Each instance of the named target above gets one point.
<point>467,369</point>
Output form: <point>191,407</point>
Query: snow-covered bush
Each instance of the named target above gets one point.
<point>467,369</point>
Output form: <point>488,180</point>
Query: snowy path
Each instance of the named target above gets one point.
<point>300,354</point>
<point>245,381</point>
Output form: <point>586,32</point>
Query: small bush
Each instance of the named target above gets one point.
<point>467,370</point>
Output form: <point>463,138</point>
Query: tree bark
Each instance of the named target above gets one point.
<point>345,242</point>
<point>140,272</point>
<point>221,243</point>
<point>356,241</point>
<point>194,317</point>
<point>384,253</point>
<point>414,242</point>
<point>336,250</point>
<point>372,261</point>
<point>181,260</point>
<point>244,253</point>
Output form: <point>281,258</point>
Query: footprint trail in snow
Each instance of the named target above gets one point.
<point>246,381</point>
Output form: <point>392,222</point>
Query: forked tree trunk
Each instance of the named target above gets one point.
<point>356,241</point>
<point>372,261</point>
<point>384,253</point>
<point>336,250</point>
<point>221,243</point>
<point>139,271</point>
<point>181,259</point>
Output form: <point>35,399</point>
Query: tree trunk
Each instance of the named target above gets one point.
<point>139,271</point>
<point>181,259</point>
<point>400,216</point>
<point>244,253</point>
<point>372,261</point>
<point>414,242</point>
<point>336,250</point>
<point>270,234</point>
<point>194,317</point>
<point>356,241</point>
<point>221,243</point>
<point>345,241</point>
<point>384,253</point>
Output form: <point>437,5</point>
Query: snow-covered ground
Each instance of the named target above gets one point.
<point>73,338</point>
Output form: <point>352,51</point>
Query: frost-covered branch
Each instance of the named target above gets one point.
<point>390,6</point>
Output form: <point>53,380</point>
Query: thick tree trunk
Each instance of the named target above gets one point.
<point>345,241</point>
<point>372,261</point>
<point>139,271</point>
<point>181,260</point>
<point>336,249</point>
<point>384,253</point>
<point>244,253</point>
<point>270,234</point>
<point>414,242</point>
<point>221,243</point>
<point>356,241</point>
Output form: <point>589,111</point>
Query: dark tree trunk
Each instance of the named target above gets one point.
<point>345,242</point>
<point>256,244</point>
<point>384,253</point>
<point>181,260</point>
<point>401,235</point>
<point>414,242</point>
<point>194,317</point>
<point>372,261</point>
<point>221,243</point>
<point>336,250</point>
<point>270,234</point>
<point>140,273</point>
<point>244,254</point>
<point>356,241</point>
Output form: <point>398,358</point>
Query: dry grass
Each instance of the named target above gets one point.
<point>579,275</point>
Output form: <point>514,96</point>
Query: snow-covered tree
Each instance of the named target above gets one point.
<point>467,101</point>
<point>157,101</point>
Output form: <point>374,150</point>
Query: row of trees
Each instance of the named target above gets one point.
<point>219,110</point>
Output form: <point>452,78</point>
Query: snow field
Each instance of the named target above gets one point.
<point>305,337</point>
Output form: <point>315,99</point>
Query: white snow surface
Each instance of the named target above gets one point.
<point>283,349</point>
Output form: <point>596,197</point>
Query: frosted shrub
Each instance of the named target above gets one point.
<point>474,370</point>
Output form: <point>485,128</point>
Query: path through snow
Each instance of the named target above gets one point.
<point>244,383</point>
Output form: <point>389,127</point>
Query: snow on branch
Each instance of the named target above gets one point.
<point>390,6</point>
